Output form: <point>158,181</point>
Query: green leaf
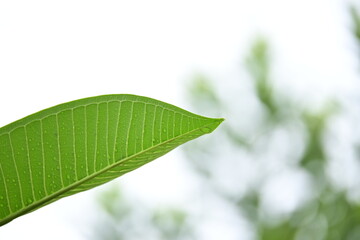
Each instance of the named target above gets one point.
<point>82,144</point>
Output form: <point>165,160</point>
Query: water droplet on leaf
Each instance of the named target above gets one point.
<point>205,130</point>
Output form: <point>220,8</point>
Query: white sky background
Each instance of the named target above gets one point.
<point>56,51</point>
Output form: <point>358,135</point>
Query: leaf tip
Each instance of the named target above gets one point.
<point>210,127</point>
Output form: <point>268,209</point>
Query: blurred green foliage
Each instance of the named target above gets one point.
<point>325,212</point>
<point>125,218</point>
<point>328,213</point>
<point>356,22</point>
<point>258,65</point>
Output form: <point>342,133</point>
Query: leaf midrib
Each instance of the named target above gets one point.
<point>90,177</point>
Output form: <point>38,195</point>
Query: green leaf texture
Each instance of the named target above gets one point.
<point>82,144</point>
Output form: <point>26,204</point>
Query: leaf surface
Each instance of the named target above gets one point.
<point>79,145</point>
